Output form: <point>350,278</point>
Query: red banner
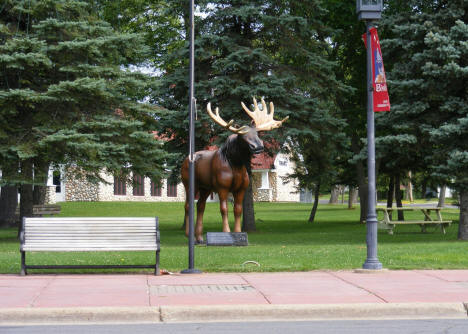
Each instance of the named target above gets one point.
<point>380,94</point>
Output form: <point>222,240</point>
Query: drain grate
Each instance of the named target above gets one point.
<point>194,289</point>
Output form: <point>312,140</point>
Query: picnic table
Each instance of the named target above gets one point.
<point>436,219</point>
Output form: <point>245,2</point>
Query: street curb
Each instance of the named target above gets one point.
<point>82,315</point>
<point>233,313</point>
<point>313,312</point>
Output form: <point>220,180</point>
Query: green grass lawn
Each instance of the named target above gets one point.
<point>284,241</point>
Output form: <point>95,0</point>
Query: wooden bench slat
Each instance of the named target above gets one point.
<point>90,227</point>
<point>85,219</point>
<point>88,249</point>
<point>421,222</point>
<point>114,240</point>
<point>53,243</point>
<point>89,224</point>
<point>88,244</point>
<point>84,235</point>
<point>97,229</point>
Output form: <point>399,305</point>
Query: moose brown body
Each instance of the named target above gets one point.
<point>225,170</point>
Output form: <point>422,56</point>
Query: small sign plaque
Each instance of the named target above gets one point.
<point>227,239</point>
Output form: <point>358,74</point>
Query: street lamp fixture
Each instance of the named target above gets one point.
<point>369,10</point>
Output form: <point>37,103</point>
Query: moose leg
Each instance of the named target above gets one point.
<point>186,219</point>
<point>223,207</point>
<point>238,199</point>
<point>200,210</point>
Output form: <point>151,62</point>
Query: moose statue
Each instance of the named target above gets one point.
<point>224,170</point>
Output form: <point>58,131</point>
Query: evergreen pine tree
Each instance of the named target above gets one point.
<point>67,96</point>
<point>428,87</point>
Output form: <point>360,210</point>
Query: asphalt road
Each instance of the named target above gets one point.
<point>299,327</point>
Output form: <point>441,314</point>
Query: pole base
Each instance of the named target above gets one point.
<point>372,265</point>
<point>191,271</point>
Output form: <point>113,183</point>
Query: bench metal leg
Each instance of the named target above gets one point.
<point>23,264</point>
<point>156,267</point>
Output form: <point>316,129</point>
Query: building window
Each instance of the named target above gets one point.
<point>171,189</point>
<point>120,187</point>
<point>265,180</point>
<point>56,180</point>
<point>138,185</point>
<point>155,188</point>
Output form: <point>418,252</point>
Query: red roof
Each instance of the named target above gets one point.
<point>263,161</point>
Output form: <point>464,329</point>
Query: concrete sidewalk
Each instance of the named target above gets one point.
<point>233,296</point>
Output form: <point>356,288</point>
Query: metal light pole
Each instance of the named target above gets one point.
<point>191,195</point>
<point>370,10</point>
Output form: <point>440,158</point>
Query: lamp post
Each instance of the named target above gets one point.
<point>191,195</point>
<point>369,10</point>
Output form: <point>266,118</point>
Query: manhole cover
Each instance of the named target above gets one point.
<point>193,289</point>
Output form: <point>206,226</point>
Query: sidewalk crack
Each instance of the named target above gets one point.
<point>39,293</point>
<point>256,289</point>
<point>148,290</point>
<point>425,273</point>
<point>358,286</point>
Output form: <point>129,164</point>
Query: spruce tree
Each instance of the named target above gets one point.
<point>68,97</point>
<point>428,87</point>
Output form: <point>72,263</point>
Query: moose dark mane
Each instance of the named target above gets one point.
<point>236,151</point>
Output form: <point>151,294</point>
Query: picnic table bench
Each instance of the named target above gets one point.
<point>389,224</point>
<point>43,209</point>
<point>89,234</point>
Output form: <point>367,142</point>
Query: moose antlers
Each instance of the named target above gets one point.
<point>215,116</point>
<point>263,120</point>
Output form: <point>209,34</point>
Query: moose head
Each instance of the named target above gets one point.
<point>262,119</point>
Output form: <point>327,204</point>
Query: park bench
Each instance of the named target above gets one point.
<point>89,235</point>
<point>388,224</point>
<point>43,209</point>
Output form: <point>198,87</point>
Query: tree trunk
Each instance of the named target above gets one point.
<point>361,179</point>
<point>353,193</point>
<point>399,197</point>
<point>463,225</point>
<point>316,200</point>
<point>335,194</point>
<point>391,194</point>
<point>248,213</point>
<point>391,191</point>
<point>409,189</point>
<point>39,194</point>
<point>441,203</point>
<point>41,171</point>
<point>8,205</point>
<point>423,188</point>
<point>26,192</point>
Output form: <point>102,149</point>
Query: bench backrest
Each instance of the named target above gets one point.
<point>90,234</point>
